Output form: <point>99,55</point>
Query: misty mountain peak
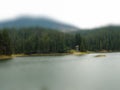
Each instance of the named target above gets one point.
<point>45,22</point>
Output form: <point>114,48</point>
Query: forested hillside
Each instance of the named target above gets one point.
<point>104,38</point>
<point>5,43</point>
<point>40,40</point>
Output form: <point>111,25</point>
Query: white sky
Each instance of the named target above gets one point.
<point>81,13</point>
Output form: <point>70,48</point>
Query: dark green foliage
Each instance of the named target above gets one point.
<point>106,38</point>
<point>5,43</point>
<point>41,40</point>
<point>78,40</point>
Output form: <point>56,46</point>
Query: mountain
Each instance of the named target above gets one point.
<point>44,22</point>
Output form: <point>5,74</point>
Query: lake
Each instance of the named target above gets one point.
<point>67,72</point>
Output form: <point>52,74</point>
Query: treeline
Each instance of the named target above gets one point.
<point>105,38</point>
<point>40,40</point>
<point>5,43</point>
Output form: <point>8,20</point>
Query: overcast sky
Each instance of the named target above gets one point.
<point>82,13</point>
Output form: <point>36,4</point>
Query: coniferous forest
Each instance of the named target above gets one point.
<point>36,40</point>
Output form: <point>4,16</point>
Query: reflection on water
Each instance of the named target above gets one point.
<point>61,73</point>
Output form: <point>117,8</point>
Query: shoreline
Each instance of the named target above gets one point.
<point>5,57</point>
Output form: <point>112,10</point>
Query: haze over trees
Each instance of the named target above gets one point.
<point>40,40</point>
<point>27,36</point>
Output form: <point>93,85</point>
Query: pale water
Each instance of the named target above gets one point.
<point>61,73</point>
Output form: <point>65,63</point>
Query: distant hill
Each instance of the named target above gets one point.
<point>37,22</point>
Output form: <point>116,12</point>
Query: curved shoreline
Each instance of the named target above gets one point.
<point>5,57</point>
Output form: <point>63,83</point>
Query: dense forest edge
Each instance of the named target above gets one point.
<point>36,40</point>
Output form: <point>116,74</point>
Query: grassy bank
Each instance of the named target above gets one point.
<point>5,57</point>
<point>46,54</point>
<point>74,52</point>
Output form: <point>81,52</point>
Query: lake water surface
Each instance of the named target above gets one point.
<point>61,73</point>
